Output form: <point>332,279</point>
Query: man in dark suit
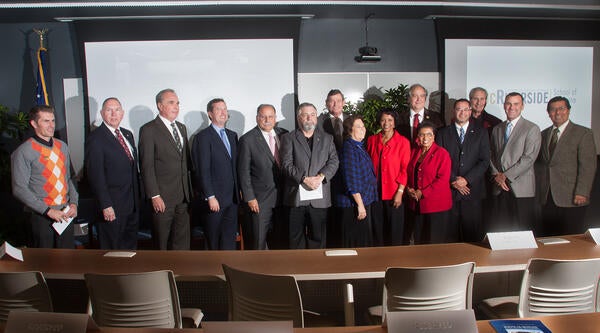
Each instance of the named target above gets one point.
<point>331,122</point>
<point>214,152</point>
<point>478,99</point>
<point>565,171</point>
<point>260,177</point>
<point>409,121</point>
<point>514,148</point>
<point>309,160</point>
<point>165,165</point>
<point>112,171</point>
<point>469,149</point>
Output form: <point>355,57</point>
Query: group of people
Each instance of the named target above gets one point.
<point>445,176</point>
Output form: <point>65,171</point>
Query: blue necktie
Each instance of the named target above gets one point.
<point>461,136</point>
<point>225,141</point>
<point>507,133</point>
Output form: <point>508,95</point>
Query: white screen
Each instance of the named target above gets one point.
<point>244,72</point>
<point>539,70</point>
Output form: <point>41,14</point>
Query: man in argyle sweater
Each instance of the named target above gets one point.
<point>40,179</point>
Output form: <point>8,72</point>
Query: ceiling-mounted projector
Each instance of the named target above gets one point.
<point>367,54</point>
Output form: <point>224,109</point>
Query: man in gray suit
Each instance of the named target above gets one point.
<point>565,171</point>
<point>515,144</point>
<point>259,173</point>
<point>309,160</point>
<point>165,161</point>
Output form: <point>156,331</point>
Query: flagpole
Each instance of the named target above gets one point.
<point>42,89</point>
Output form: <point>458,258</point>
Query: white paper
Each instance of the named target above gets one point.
<point>306,194</point>
<point>511,240</point>
<point>11,251</point>
<point>553,240</point>
<point>335,253</point>
<point>119,254</point>
<point>594,233</point>
<point>61,226</point>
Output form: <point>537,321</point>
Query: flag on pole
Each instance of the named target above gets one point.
<point>41,89</point>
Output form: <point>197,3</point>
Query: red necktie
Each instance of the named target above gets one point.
<point>123,144</point>
<point>415,125</point>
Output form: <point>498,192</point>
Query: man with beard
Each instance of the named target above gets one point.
<point>309,160</point>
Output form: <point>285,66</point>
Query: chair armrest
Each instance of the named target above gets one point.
<point>192,315</point>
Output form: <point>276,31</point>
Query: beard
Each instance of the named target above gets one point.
<point>308,126</point>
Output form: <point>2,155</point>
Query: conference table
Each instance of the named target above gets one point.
<point>580,323</point>
<point>303,264</point>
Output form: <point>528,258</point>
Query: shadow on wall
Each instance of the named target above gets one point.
<point>287,114</point>
<point>138,116</point>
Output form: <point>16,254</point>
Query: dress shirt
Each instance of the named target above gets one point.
<point>357,174</point>
<point>464,127</point>
<point>412,118</point>
<point>167,123</point>
<point>266,136</point>
<point>112,130</point>
<point>561,129</point>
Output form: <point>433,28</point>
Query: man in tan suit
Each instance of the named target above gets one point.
<point>515,144</point>
<point>565,171</point>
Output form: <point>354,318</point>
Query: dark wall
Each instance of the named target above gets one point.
<point>330,45</point>
<point>18,66</point>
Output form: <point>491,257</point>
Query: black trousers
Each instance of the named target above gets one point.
<point>221,227</point>
<point>430,228</point>
<point>308,227</point>
<point>120,234</point>
<point>43,234</point>
<point>388,224</point>
<point>355,232</point>
<point>466,217</point>
<point>511,213</point>
<point>562,220</point>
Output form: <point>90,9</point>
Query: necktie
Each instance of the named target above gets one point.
<point>273,147</point>
<point>176,137</point>
<point>508,130</point>
<point>225,141</point>
<point>461,136</point>
<point>338,131</point>
<point>123,144</point>
<point>553,141</point>
<point>415,125</point>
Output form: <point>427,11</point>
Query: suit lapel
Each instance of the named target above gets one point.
<point>316,147</point>
<point>262,144</point>
<point>113,141</point>
<point>166,132</point>
<point>217,138</point>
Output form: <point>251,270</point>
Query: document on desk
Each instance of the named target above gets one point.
<point>308,194</point>
<point>120,254</point>
<point>60,227</point>
<point>11,251</point>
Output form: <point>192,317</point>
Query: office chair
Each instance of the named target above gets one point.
<point>23,291</point>
<point>550,287</point>
<point>426,289</point>
<point>147,299</point>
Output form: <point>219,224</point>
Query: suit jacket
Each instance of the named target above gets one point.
<point>433,180</point>
<point>404,125</point>
<point>326,124</point>
<point>113,178</point>
<point>298,161</point>
<point>570,171</point>
<point>470,159</point>
<point>165,170</point>
<point>216,171</point>
<point>516,158</point>
<point>258,174</point>
<point>487,121</point>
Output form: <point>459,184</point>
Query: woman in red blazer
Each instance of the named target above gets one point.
<point>428,188</point>
<point>390,153</point>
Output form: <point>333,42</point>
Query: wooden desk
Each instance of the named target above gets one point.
<point>303,264</point>
<point>580,323</point>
